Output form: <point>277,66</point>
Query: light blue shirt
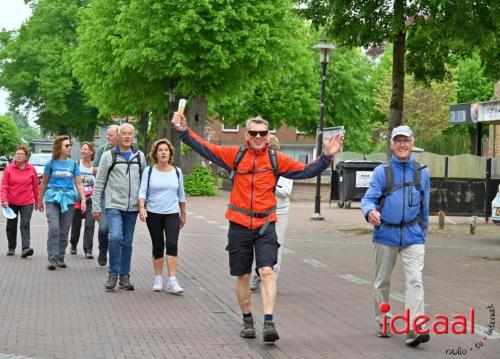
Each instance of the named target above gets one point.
<point>165,191</point>
<point>63,173</point>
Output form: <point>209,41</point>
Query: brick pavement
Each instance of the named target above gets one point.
<point>324,301</point>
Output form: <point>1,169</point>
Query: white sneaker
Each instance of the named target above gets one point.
<point>158,286</point>
<point>173,286</point>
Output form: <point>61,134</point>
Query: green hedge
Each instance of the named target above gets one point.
<point>199,183</point>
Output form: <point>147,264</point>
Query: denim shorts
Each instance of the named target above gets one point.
<point>242,242</point>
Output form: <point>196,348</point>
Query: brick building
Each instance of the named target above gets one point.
<point>293,142</point>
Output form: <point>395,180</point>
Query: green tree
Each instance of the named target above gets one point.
<point>9,136</point>
<point>27,132</point>
<point>35,67</point>
<point>426,34</point>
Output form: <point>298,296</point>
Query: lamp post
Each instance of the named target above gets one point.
<point>324,49</point>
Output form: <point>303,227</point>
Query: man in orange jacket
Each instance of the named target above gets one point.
<point>252,209</point>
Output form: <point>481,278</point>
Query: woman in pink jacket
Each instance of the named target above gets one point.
<point>19,191</point>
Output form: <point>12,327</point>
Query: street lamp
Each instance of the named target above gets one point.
<point>324,49</point>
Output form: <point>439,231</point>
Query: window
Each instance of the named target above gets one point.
<point>228,128</point>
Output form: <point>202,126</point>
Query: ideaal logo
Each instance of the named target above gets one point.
<point>480,344</point>
<point>441,325</point>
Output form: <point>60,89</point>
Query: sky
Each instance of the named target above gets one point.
<point>12,14</point>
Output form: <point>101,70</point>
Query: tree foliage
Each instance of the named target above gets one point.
<point>132,51</point>
<point>27,132</point>
<point>427,34</point>
<point>36,69</point>
<point>9,136</point>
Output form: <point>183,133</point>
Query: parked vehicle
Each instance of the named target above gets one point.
<point>495,208</point>
<point>4,161</point>
<point>38,160</point>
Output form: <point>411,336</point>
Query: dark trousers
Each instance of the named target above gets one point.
<point>164,230</point>
<point>88,232</point>
<point>25,213</point>
<point>103,232</point>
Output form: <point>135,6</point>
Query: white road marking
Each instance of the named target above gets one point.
<point>315,263</point>
<point>223,227</point>
<point>212,222</point>
<point>199,217</point>
<point>353,279</point>
<point>287,251</point>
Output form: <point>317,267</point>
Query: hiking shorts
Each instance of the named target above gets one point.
<point>243,242</point>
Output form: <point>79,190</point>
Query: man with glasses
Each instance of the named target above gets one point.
<point>397,205</point>
<point>119,176</point>
<point>252,208</point>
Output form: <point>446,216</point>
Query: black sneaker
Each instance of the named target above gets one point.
<point>11,252</point>
<point>61,264</point>
<point>111,282</point>
<point>51,265</point>
<point>269,333</point>
<point>89,255</point>
<point>247,328</point>
<point>72,250</point>
<point>124,283</point>
<point>413,339</point>
<point>102,260</point>
<point>27,252</point>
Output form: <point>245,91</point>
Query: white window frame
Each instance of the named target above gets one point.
<point>233,130</point>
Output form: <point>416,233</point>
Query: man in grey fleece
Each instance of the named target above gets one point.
<point>119,177</point>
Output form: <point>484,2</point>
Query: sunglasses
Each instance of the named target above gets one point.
<point>261,133</point>
<point>68,145</point>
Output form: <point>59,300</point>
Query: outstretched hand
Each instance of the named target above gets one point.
<point>179,122</point>
<point>334,144</point>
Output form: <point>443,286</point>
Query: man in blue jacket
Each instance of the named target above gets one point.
<point>397,205</point>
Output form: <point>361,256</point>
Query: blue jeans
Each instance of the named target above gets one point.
<point>121,234</point>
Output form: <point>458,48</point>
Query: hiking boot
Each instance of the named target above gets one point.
<point>413,339</point>
<point>380,331</point>
<point>269,333</point>
<point>51,265</point>
<point>124,283</point>
<point>72,250</point>
<point>247,328</point>
<point>60,263</point>
<point>27,252</point>
<point>158,286</point>
<point>89,255</point>
<point>102,260</point>
<point>173,286</point>
<point>255,284</point>
<point>11,252</point>
<point>111,282</point>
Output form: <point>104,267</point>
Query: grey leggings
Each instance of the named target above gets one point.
<point>59,224</point>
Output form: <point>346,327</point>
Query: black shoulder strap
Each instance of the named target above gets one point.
<point>389,183</point>
<point>149,178</point>
<point>239,156</point>
<point>51,167</point>
<point>177,173</point>
<point>417,175</point>
<point>274,163</point>
<point>113,164</point>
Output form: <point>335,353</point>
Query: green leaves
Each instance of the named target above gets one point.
<point>199,183</point>
<point>36,69</point>
<point>8,135</point>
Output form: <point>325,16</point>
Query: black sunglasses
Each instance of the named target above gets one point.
<point>255,133</point>
<point>68,145</point>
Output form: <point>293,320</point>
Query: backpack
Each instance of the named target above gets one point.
<point>115,162</point>
<point>149,177</point>
<point>241,153</point>
<point>391,187</point>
